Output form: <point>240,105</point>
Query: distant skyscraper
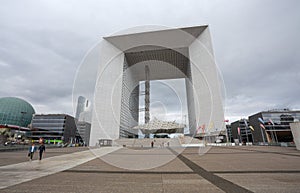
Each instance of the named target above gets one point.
<point>81,105</point>
<point>84,129</point>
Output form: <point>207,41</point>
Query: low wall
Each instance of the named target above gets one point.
<point>295,127</point>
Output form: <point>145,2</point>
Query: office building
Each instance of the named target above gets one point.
<point>84,130</point>
<point>229,133</point>
<point>82,104</point>
<point>273,126</point>
<point>241,130</point>
<point>58,127</point>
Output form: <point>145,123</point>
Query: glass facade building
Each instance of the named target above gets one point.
<point>54,127</point>
<point>274,126</point>
<point>241,130</point>
<point>84,130</point>
<point>229,133</point>
<point>82,103</point>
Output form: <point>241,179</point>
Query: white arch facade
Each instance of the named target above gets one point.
<point>169,53</point>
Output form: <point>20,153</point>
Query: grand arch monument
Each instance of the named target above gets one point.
<point>124,59</point>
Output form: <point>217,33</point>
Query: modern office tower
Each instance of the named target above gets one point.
<point>82,104</point>
<point>54,127</point>
<point>229,133</point>
<point>84,130</point>
<point>241,130</point>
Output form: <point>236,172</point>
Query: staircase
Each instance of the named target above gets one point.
<point>146,143</point>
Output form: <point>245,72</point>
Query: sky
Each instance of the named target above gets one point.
<point>169,105</point>
<point>256,46</point>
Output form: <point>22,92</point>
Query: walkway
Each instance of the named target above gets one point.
<point>204,169</point>
<point>26,171</point>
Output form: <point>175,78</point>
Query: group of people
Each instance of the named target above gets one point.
<point>32,149</point>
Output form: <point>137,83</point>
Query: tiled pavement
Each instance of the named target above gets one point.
<point>204,169</point>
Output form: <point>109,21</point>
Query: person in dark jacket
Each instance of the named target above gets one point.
<point>31,151</point>
<point>42,149</point>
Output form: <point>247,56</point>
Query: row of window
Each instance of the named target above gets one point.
<point>46,132</point>
<point>41,125</point>
<point>37,117</point>
<point>48,120</point>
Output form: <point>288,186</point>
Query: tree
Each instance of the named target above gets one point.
<point>4,134</point>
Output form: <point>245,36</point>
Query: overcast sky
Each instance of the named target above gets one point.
<point>256,46</point>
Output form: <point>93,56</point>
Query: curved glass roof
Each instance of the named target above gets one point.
<point>15,111</point>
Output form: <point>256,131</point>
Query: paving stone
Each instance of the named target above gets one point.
<point>254,168</point>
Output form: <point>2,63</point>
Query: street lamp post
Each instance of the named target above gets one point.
<point>261,130</point>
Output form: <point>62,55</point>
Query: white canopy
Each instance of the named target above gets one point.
<point>155,126</point>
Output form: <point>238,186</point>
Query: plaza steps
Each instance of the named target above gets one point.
<point>190,141</point>
<point>138,143</point>
<point>158,142</point>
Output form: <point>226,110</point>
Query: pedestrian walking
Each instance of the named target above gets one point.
<point>31,151</point>
<point>42,149</point>
<point>152,143</point>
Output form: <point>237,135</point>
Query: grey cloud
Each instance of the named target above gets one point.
<point>256,46</point>
<point>259,56</point>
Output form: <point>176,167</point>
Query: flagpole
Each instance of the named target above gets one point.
<point>273,128</point>
<point>239,132</point>
<point>247,134</point>
<point>262,135</point>
<point>274,132</point>
<point>261,129</point>
<point>246,126</point>
<point>252,129</point>
<point>227,139</point>
<point>241,139</point>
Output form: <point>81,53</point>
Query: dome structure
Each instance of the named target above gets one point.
<point>15,111</point>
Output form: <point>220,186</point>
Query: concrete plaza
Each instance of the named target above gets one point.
<point>204,169</point>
